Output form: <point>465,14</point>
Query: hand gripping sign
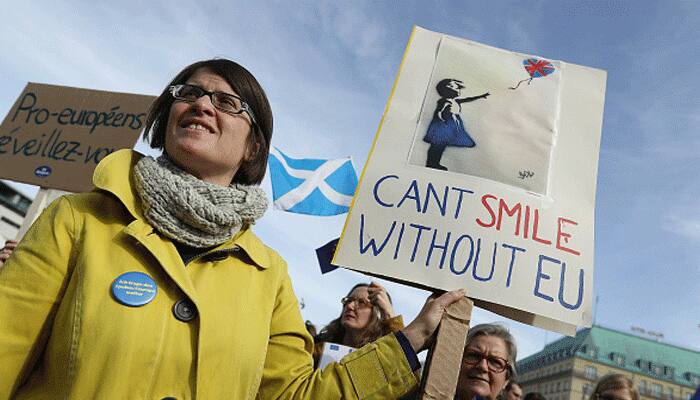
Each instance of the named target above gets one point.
<point>476,182</point>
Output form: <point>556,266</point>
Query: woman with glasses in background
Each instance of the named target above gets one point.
<point>367,315</point>
<point>154,285</point>
<point>615,387</point>
<point>488,362</point>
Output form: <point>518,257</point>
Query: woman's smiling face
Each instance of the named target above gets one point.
<point>478,379</point>
<point>204,141</point>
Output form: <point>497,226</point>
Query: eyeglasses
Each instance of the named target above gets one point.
<point>224,102</point>
<point>359,303</point>
<point>495,364</point>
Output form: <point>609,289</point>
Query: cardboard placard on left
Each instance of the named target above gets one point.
<point>54,136</point>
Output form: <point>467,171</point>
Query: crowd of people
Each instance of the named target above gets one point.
<point>488,360</point>
<point>153,285</point>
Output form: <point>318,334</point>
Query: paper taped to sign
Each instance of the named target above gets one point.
<point>488,128</point>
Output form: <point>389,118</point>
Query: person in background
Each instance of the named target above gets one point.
<point>153,285</point>
<point>615,387</point>
<point>534,396</point>
<point>367,315</point>
<point>512,391</point>
<point>488,362</point>
<point>6,251</point>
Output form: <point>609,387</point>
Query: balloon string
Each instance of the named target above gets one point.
<point>516,86</point>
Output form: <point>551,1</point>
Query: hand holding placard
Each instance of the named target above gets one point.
<point>422,328</point>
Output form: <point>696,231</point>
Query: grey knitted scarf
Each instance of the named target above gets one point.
<point>191,211</point>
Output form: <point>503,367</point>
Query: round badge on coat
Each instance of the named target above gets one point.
<point>134,289</point>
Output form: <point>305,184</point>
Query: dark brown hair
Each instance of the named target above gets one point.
<point>251,172</point>
<point>334,331</point>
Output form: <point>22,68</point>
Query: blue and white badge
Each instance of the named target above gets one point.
<point>134,289</point>
<point>43,171</point>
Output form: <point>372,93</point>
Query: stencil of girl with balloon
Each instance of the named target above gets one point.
<point>447,127</point>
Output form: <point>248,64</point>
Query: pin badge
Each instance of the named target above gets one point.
<point>134,289</point>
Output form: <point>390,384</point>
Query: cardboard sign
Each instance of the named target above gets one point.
<point>482,175</point>
<point>333,352</point>
<point>54,136</point>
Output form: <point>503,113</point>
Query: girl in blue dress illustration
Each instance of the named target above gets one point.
<point>447,127</point>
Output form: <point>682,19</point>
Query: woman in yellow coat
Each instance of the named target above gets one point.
<point>154,286</point>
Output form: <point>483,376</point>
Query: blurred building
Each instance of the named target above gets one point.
<point>13,208</point>
<point>569,368</point>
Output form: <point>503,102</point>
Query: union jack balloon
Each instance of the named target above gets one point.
<point>536,68</point>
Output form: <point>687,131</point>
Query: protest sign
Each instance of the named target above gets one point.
<point>54,136</point>
<point>482,175</point>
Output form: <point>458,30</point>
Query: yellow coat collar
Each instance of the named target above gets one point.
<point>113,175</point>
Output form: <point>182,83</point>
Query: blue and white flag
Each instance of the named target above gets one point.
<point>309,186</point>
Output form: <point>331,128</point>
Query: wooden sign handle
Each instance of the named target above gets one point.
<point>444,359</point>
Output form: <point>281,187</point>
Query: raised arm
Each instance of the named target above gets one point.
<point>419,331</point>
<point>468,99</point>
<point>379,370</point>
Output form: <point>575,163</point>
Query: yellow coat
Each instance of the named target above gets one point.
<point>63,335</point>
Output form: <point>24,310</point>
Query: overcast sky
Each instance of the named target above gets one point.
<point>328,68</point>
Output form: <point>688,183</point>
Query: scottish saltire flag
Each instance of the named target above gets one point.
<point>309,186</point>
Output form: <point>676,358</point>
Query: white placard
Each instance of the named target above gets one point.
<point>511,217</point>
